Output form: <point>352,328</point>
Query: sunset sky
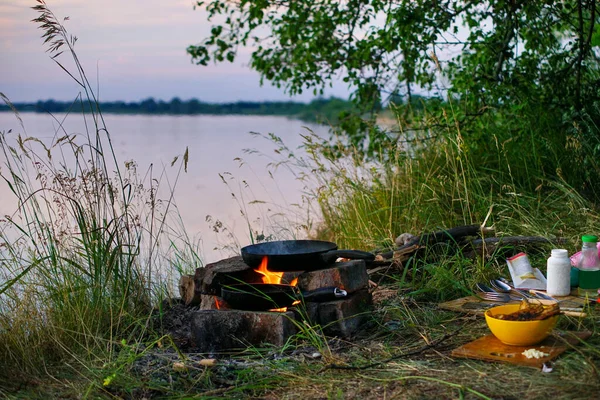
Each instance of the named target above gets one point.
<point>135,47</point>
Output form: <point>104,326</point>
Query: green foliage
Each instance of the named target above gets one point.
<point>507,56</point>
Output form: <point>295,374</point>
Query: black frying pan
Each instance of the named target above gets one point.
<point>298,255</point>
<point>266,296</point>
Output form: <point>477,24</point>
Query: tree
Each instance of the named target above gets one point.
<point>494,53</point>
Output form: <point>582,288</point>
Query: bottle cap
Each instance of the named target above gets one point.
<point>589,238</point>
<point>559,253</point>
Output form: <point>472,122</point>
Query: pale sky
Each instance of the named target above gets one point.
<point>136,47</point>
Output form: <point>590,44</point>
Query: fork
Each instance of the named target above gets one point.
<point>490,294</point>
<point>494,296</point>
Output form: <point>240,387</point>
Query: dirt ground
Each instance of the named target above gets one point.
<point>403,352</point>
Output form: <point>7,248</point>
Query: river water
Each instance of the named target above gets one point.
<point>217,146</point>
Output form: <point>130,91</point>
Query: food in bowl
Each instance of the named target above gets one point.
<point>531,312</point>
<point>522,324</point>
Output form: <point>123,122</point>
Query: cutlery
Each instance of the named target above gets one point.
<point>496,297</point>
<point>484,288</point>
<point>543,295</point>
<point>504,286</point>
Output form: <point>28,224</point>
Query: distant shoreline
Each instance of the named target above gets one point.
<point>318,110</point>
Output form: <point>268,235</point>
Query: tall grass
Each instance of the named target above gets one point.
<point>437,179</point>
<point>81,257</point>
<point>442,176</point>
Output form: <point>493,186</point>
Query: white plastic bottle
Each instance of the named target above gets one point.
<point>559,273</point>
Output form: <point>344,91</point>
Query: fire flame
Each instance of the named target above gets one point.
<point>268,276</point>
<point>273,278</point>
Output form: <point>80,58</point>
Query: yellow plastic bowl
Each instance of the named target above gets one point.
<point>518,333</point>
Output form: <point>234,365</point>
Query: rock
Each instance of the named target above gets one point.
<point>179,367</point>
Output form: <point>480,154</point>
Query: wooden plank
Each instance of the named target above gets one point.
<point>470,305</point>
<point>489,348</point>
<point>476,305</point>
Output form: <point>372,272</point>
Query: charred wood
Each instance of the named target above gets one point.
<point>208,280</point>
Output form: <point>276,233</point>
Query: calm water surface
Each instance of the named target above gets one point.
<point>216,146</point>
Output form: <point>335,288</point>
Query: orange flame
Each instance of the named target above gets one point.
<point>268,276</point>
<point>273,278</point>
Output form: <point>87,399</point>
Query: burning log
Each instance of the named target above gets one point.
<point>208,280</point>
<point>239,317</point>
<point>209,302</point>
<point>350,276</point>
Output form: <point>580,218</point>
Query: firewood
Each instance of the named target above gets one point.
<point>449,235</point>
<point>210,278</point>
<point>492,244</point>
<point>187,290</point>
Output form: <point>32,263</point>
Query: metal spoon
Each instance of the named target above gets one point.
<point>500,286</point>
<point>532,294</point>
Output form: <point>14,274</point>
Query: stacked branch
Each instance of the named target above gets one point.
<point>470,240</point>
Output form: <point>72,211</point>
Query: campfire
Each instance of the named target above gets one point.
<point>242,304</point>
<point>275,278</point>
<point>276,297</point>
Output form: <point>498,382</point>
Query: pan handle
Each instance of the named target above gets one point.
<point>324,294</point>
<point>330,256</point>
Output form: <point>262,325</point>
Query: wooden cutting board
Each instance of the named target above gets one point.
<point>476,305</point>
<point>489,348</point>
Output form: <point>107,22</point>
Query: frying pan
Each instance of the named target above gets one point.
<point>266,296</point>
<point>298,255</point>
